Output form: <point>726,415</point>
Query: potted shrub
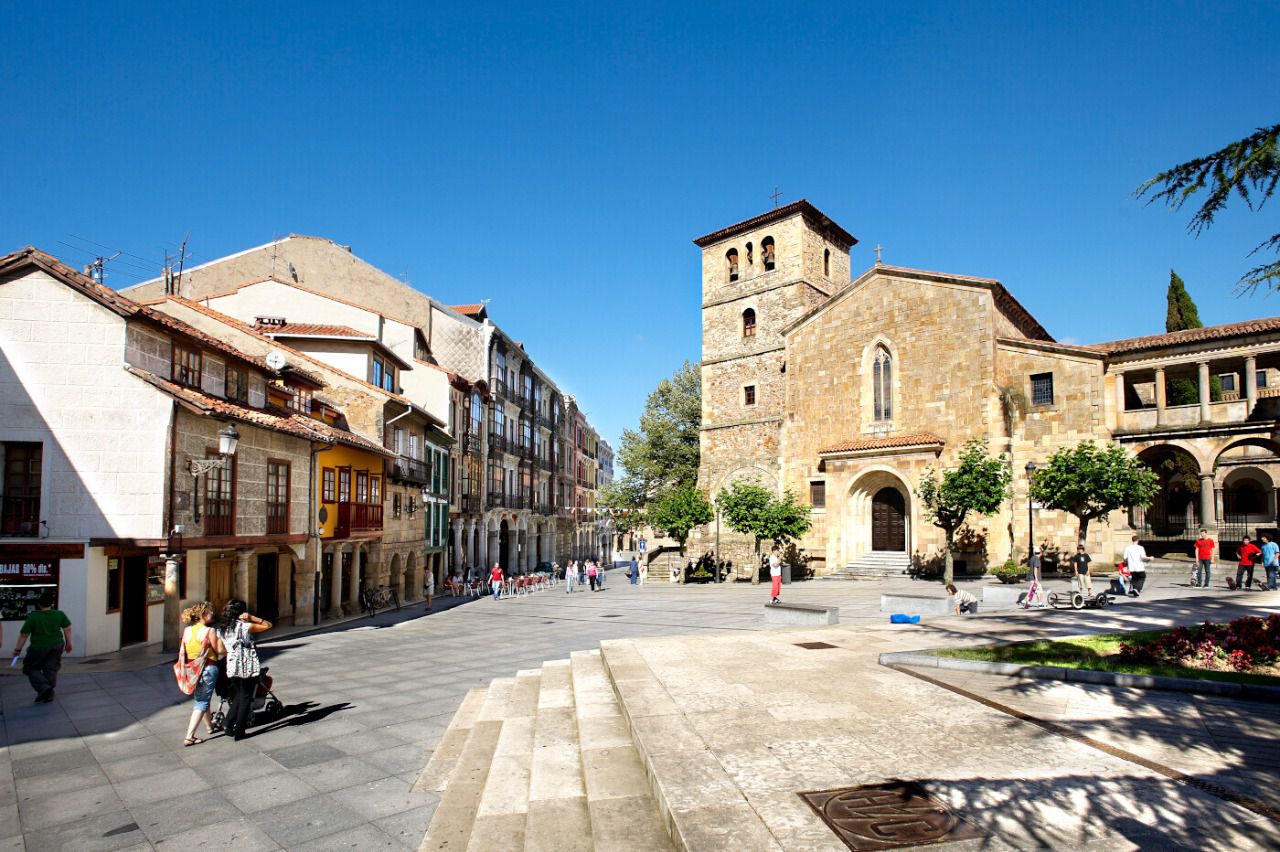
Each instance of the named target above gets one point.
<point>1009,572</point>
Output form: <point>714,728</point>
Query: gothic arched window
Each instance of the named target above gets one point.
<point>826,262</point>
<point>731,261</point>
<point>749,322</point>
<point>882,385</point>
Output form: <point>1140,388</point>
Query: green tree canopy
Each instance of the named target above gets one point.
<point>1092,482</point>
<point>979,483</point>
<point>678,510</point>
<point>627,503</point>
<point>1182,314</point>
<point>1249,168</point>
<point>753,510</point>
<point>663,454</point>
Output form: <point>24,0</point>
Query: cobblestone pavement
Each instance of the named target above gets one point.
<point>103,767</point>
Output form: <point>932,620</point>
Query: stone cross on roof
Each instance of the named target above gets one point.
<point>879,248</point>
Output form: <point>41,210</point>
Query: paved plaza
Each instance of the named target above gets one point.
<point>104,768</point>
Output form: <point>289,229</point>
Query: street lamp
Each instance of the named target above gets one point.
<point>228,440</point>
<point>1031,518</point>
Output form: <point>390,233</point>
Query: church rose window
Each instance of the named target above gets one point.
<point>882,385</point>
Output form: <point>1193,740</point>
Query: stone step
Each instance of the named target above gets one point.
<point>504,803</point>
<point>698,801</point>
<point>624,815</point>
<point>455,817</point>
<point>435,775</point>
<point>558,818</point>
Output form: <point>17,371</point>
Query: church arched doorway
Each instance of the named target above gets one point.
<point>889,520</point>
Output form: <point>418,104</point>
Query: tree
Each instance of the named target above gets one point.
<point>980,483</point>
<point>1092,482</point>
<point>1249,168</point>
<point>626,504</point>
<point>753,510</point>
<point>1182,315</point>
<point>679,510</point>
<point>663,454</point>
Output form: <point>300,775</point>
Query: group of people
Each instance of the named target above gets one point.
<point>230,668</point>
<point>1248,555</point>
<point>586,572</point>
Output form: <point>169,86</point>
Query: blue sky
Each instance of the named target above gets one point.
<point>557,159</point>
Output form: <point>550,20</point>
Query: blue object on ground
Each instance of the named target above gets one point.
<point>900,618</point>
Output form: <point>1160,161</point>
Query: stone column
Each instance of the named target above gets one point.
<point>1250,383</point>
<point>1120,399</point>
<point>304,590</point>
<point>353,584</point>
<point>335,586</point>
<point>1208,513</point>
<point>1203,379</point>
<point>1160,414</point>
<point>1217,502</point>
<point>458,532</point>
<point>494,555</point>
<point>530,550</point>
<point>240,588</point>
<point>469,544</point>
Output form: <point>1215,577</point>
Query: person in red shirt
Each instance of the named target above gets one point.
<point>1204,560</point>
<point>495,577</point>
<point>1248,553</point>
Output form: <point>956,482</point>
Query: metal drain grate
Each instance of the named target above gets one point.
<point>888,816</point>
<point>814,646</point>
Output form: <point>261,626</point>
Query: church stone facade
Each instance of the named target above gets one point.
<point>848,392</point>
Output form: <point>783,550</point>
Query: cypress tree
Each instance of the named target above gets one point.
<point>1182,315</point>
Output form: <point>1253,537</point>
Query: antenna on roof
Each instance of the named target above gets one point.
<point>95,270</point>
<point>182,261</point>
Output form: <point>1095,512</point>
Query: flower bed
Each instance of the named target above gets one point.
<point>1250,644</point>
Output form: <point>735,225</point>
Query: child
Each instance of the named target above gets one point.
<point>965,602</point>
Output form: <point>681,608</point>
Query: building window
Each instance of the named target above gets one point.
<point>186,366</point>
<point>766,253</point>
<point>384,374</point>
<point>826,262</point>
<point>395,504</point>
<point>300,400</point>
<point>328,478</point>
<point>1228,382</point>
<point>1042,389</point>
<point>749,395</point>
<point>220,498</point>
<point>238,384</point>
<point>749,322</point>
<point>818,494</point>
<point>1262,378</point>
<point>20,510</point>
<point>344,485</point>
<point>731,261</point>
<point>750,256</point>
<point>501,371</point>
<point>882,385</point>
<point>277,497</point>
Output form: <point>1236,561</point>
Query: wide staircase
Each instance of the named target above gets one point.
<point>875,565</point>
<point>544,760</point>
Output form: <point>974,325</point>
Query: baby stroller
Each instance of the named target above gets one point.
<point>266,706</point>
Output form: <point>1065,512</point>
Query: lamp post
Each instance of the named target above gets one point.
<point>1031,518</point>
<point>228,440</point>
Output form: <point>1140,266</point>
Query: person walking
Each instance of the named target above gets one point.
<point>1035,595</point>
<point>49,632</point>
<point>236,631</point>
<point>644,571</point>
<point>570,577</point>
<point>1204,559</point>
<point>1084,578</point>
<point>1270,560</point>
<point>1136,558</point>
<point>599,573</point>
<point>633,571</point>
<point>591,575</point>
<point>496,580</point>
<point>1248,554</point>
<point>200,637</point>
<point>775,575</point>
<point>429,587</point>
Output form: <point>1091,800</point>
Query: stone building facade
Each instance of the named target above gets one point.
<point>848,392</point>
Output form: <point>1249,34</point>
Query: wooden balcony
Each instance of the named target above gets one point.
<point>354,518</point>
<point>277,518</point>
<point>409,471</point>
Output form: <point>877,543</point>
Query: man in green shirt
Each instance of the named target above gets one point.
<point>49,631</point>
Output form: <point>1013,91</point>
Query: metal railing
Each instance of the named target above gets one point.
<point>409,471</point>
<point>277,518</point>
<point>469,503</point>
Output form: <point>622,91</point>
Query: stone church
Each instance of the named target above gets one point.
<point>846,391</point>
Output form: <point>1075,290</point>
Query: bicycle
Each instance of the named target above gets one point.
<point>369,602</point>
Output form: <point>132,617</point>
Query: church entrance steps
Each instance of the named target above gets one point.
<point>873,566</point>
<point>542,761</point>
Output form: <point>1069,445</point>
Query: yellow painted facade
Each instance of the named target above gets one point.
<point>330,465</point>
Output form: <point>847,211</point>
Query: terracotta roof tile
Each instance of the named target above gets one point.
<point>468,310</point>
<point>310,329</point>
<point>920,439</point>
<point>777,214</point>
<point>298,425</point>
<point>1191,335</point>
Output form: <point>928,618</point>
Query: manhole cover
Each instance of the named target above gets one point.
<point>814,646</point>
<point>888,816</point>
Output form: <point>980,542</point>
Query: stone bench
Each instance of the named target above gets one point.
<point>800,614</point>
<point>918,604</point>
<point>1003,596</point>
